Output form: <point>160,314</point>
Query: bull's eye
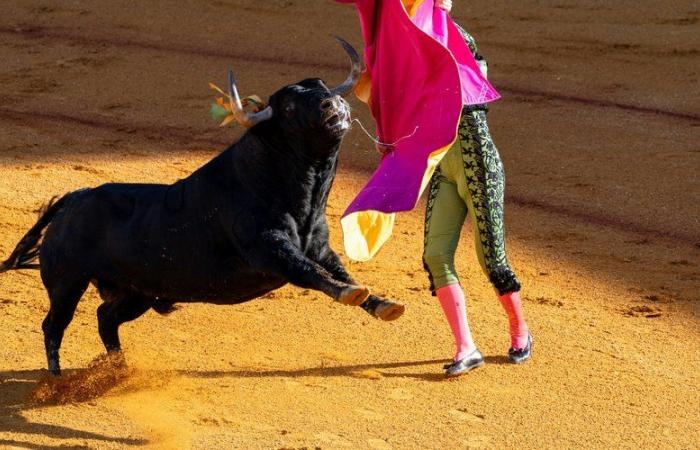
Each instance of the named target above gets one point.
<point>289,109</point>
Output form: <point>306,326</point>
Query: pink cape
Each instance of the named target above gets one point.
<point>419,73</point>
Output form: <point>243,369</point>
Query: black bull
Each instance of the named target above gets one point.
<point>248,222</point>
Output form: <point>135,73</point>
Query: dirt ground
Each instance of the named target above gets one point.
<point>599,132</point>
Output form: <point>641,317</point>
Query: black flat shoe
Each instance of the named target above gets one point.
<point>464,365</point>
<point>519,356</point>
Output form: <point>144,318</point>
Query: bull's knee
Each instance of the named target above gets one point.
<point>46,323</point>
<point>441,269</point>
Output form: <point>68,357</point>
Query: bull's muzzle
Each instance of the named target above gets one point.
<point>335,114</point>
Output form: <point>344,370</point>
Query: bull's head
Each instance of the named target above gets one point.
<point>307,113</point>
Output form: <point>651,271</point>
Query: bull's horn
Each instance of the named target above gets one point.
<point>346,86</point>
<point>248,120</point>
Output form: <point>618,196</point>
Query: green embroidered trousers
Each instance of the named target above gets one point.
<point>470,182</point>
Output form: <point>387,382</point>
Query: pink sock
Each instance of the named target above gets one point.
<point>516,317</point>
<point>453,305</point>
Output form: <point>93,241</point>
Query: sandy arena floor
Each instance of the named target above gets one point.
<point>599,131</point>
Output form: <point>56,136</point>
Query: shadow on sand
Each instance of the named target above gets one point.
<point>17,391</point>
<point>352,371</point>
<point>25,390</point>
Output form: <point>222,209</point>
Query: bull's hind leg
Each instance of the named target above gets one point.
<point>118,307</point>
<point>64,299</point>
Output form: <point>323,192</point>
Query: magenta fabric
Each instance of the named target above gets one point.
<point>436,22</point>
<point>418,88</point>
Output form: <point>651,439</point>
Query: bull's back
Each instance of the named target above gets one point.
<point>152,239</point>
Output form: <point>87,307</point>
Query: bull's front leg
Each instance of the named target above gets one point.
<point>375,306</point>
<point>277,254</point>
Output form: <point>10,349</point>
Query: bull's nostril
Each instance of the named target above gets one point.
<point>327,103</point>
<point>333,120</point>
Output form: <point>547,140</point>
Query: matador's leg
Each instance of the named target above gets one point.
<point>483,191</point>
<point>445,215</point>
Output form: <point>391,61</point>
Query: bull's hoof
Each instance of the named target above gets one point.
<point>388,311</point>
<point>353,295</point>
<point>114,358</point>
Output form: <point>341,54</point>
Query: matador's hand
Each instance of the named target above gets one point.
<point>444,4</point>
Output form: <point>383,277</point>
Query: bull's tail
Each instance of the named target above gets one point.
<point>26,254</point>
